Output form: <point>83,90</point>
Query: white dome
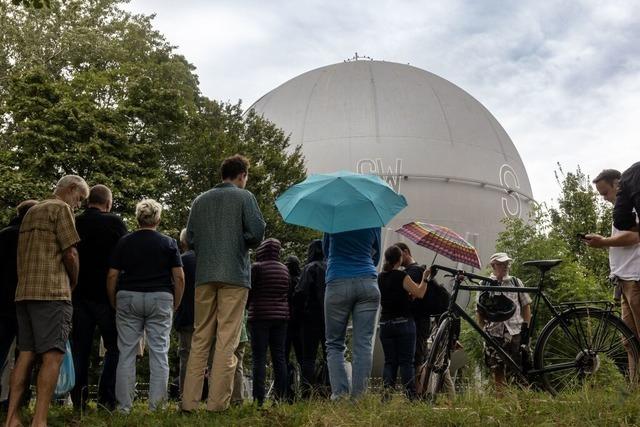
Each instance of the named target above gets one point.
<point>430,139</point>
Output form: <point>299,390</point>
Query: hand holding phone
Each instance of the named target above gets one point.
<point>582,236</point>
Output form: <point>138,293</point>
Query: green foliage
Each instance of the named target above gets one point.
<point>515,407</point>
<point>89,89</point>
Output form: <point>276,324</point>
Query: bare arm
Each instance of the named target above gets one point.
<point>178,280</point>
<point>415,289</point>
<point>112,278</point>
<point>72,265</point>
<point>526,314</point>
<point>624,238</point>
<point>481,320</point>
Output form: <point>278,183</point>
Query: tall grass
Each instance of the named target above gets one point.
<point>515,407</point>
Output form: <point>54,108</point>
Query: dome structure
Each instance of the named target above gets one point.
<point>431,140</point>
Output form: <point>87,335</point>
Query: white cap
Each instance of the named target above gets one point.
<point>500,257</point>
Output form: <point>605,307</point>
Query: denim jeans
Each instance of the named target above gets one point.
<point>398,339</point>
<point>138,312</point>
<point>358,298</point>
<point>272,334</point>
<point>86,316</point>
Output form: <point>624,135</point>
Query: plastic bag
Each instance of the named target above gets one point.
<point>67,377</point>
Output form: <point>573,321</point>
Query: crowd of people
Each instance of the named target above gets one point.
<point>63,277</point>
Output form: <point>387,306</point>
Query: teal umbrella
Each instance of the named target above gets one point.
<point>340,201</point>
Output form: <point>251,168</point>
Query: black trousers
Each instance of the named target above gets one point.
<point>8,329</point>
<point>268,334</point>
<point>313,337</point>
<point>87,315</point>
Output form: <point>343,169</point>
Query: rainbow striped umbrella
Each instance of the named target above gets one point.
<point>442,241</point>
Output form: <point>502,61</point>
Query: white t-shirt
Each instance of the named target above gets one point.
<point>624,261</point>
<point>513,325</point>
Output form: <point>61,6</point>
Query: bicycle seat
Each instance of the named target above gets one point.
<point>543,264</point>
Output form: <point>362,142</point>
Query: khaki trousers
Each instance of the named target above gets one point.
<point>219,309</point>
<point>631,313</point>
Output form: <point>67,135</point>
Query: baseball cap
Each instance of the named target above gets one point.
<point>499,257</point>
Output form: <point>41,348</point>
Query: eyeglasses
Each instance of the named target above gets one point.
<point>499,264</point>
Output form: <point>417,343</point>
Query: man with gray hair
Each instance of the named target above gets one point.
<point>48,268</point>
<point>223,224</point>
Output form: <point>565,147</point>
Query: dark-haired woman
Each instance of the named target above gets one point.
<point>397,327</point>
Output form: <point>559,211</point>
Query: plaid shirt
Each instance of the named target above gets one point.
<point>46,231</point>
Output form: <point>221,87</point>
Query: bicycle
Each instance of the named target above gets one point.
<point>584,341</point>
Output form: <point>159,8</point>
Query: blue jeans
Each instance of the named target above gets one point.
<point>398,339</point>
<point>138,312</point>
<point>358,298</point>
<point>271,334</point>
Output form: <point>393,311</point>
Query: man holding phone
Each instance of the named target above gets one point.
<point>624,254</point>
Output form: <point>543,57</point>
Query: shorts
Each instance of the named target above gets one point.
<point>43,325</point>
<point>510,344</point>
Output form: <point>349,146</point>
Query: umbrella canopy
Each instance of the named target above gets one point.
<point>442,241</point>
<point>340,201</point>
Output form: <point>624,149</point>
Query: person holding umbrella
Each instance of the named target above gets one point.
<point>397,326</point>
<point>351,292</point>
<point>350,209</point>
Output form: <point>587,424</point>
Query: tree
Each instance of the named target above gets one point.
<point>89,89</point>
<point>581,210</point>
<point>221,130</point>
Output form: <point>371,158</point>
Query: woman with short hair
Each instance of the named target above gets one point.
<point>147,267</point>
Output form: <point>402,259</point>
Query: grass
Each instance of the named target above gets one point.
<point>515,408</point>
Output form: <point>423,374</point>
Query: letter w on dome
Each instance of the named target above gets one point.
<point>376,167</point>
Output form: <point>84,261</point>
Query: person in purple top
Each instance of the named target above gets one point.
<point>351,292</point>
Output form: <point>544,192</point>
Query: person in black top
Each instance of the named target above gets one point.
<point>309,298</point>
<point>420,317</point>
<point>397,327</point>
<point>9,280</point>
<point>183,321</point>
<point>294,337</point>
<point>99,232</point>
<point>148,268</point>
<point>627,203</point>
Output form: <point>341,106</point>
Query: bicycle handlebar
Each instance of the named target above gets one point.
<point>456,272</point>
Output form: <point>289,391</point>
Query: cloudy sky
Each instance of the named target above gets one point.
<point>562,77</point>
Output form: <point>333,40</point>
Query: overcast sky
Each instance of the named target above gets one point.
<point>562,77</point>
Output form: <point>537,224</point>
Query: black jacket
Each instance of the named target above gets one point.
<point>309,295</point>
<point>627,199</point>
<point>184,314</point>
<point>99,234</point>
<point>9,267</point>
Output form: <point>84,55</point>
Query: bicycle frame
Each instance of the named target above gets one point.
<point>455,310</point>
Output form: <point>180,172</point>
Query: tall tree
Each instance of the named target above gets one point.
<point>90,89</point>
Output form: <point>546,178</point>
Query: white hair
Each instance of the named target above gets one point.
<point>69,180</point>
<point>148,212</point>
<point>183,236</point>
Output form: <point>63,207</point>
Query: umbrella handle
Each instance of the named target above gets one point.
<point>434,258</point>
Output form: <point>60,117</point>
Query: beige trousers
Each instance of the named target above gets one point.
<point>218,313</point>
<point>631,313</point>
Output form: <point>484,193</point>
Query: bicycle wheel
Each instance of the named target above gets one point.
<point>437,363</point>
<point>586,347</point>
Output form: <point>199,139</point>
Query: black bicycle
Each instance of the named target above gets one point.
<point>583,343</point>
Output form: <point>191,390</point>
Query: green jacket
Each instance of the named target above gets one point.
<point>224,223</point>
